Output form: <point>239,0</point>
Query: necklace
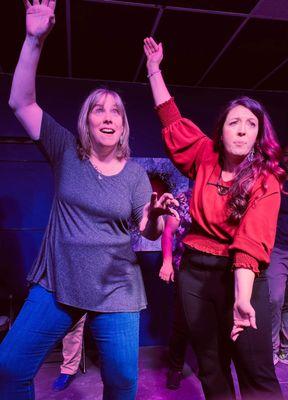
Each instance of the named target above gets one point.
<point>100,173</point>
<point>221,189</point>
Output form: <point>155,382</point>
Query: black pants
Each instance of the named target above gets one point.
<point>206,286</point>
<point>179,338</point>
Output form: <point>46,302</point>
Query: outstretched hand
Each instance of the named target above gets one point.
<point>244,316</point>
<point>154,54</point>
<point>163,206</point>
<point>40,17</point>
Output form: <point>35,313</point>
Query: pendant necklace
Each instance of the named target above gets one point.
<point>221,189</point>
<point>100,173</point>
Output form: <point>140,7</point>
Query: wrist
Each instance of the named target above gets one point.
<point>242,300</point>
<point>153,73</point>
<point>34,41</point>
<point>152,67</point>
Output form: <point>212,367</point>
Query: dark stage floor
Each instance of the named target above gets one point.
<point>152,378</point>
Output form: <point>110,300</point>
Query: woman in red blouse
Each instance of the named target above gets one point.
<point>234,210</point>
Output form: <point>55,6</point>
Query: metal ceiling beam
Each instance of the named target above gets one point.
<point>227,45</point>
<point>270,73</point>
<point>154,28</point>
<point>255,15</point>
<point>125,3</point>
<point>69,38</point>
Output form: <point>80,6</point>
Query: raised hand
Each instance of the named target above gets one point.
<point>40,17</point>
<point>244,317</point>
<point>154,54</point>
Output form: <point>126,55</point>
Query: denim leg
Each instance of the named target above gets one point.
<point>277,277</point>
<point>41,323</point>
<point>117,338</point>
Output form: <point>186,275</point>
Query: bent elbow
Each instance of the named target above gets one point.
<point>13,104</point>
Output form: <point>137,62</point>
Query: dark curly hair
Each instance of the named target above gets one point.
<point>265,161</point>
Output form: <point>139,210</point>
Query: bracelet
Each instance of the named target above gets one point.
<point>154,73</point>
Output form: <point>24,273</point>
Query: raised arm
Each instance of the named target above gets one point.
<point>40,19</point>
<point>154,54</point>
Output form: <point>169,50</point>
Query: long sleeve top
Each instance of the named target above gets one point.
<point>250,242</point>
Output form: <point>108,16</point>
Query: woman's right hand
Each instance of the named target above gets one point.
<point>40,18</point>
<point>154,54</point>
<point>243,316</point>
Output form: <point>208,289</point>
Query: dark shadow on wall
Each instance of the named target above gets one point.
<point>12,273</point>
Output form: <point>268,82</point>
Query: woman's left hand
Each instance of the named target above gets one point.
<point>243,316</point>
<point>163,206</point>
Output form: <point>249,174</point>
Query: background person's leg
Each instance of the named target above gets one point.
<point>41,323</point>
<point>178,343</point>
<point>117,338</point>
<point>71,352</point>
<point>72,348</point>
<point>277,278</point>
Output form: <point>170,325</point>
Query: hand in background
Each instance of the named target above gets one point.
<point>166,272</point>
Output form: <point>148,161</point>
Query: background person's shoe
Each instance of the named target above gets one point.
<point>283,357</point>
<point>62,382</point>
<point>173,379</point>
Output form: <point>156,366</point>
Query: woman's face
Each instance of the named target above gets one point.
<point>105,122</point>
<point>239,132</point>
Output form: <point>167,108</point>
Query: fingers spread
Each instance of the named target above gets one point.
<point>52,4</point>
<point>27,4</point>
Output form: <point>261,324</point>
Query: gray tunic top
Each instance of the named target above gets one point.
<point>86,256</point>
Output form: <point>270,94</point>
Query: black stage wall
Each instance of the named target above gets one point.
<point>26,187</point>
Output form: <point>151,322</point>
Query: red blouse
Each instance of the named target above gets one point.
<point>251,241</point>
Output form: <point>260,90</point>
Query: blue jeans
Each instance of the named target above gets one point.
<point>43,322</point>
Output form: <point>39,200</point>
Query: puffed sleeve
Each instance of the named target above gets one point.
<point>186,144</point>
<point>54,138</point>
<point>255,235</point>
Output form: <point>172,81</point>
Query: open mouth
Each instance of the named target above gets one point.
<point>107,131</point>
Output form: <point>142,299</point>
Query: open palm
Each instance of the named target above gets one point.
<point>153,51</point>
<point>40,17</point>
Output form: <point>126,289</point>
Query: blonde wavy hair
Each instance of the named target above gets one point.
<point>84,140</point>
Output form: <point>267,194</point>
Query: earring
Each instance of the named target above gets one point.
<point>121,140</point>
<point>251,154</point>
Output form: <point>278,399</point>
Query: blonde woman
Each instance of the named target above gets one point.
<point>85,262</point>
